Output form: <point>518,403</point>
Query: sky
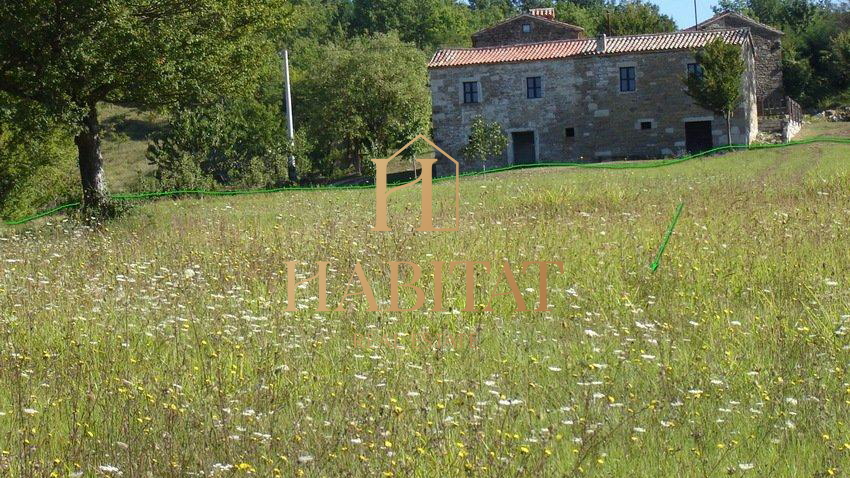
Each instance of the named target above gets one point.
<point>683,10</point>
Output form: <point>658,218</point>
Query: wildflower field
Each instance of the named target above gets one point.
<point>160,345</point>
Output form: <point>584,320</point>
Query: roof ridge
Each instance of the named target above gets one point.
<point>678,32</point>
<point>496,47</point>
<point>593,39</point>
<point>575,48</point>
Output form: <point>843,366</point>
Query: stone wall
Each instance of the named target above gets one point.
<point>768,53</point>
<point>790,129</point>
<point>511,32</point>
<point>749,92</point>
<point>583,93</point>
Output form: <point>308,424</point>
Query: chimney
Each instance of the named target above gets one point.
<point>547,13</point>
<point>601,43</point>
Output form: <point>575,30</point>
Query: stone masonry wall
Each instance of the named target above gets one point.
<point>768,53</point>
<point>583,93</point>
<point>749,92</point>
<point>510,33</point>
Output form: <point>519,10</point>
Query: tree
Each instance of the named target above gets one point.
<point>627,18</point>
<point>36,160</point>
<point>718,86</point>
<point>238,141</point>
<point>366,97</point>
<point>738,6</point>
<point>430,24</point>
<point>486,140</point>
<point>68,56</point>
<point>795,14</point>
<point>796,73</point>
<point>634,18</point>
<point>839,55</point>
<point>587,18</point>
<point>811,60</point>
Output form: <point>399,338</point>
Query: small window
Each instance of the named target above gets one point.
<point>526,28</point>
<point>627,79</point>
<point>470,92</point>
<point>646,125</point>
<point>695,69</point>
<point>570,133</point>
<point>534,87</point>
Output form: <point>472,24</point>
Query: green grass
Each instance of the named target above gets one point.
<point>820,127</point>
<point>125,142</point>
<point>160,344</point>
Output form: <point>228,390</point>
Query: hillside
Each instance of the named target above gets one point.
<point>161,344</point>
<point>128,134</point>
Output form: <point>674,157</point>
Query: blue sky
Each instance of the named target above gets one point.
<point>683,10</point>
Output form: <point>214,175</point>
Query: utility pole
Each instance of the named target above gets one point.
<point>696,15</point>
<point>293,171</point>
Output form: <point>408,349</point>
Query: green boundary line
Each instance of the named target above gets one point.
<point>630,165</point>
<point>667,236</point>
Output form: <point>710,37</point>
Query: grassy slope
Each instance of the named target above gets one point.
<point>125,143</point>
<point>727,356</point>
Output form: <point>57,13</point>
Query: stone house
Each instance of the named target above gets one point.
<point>537,26</point>
<point>767,42</point>
<point>584,99</point>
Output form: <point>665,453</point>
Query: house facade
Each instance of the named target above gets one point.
<point>586,99</point>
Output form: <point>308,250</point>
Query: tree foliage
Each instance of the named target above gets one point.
<point>69,56</point>
<point>36,160</point>
<point>813,63</point>
<point>839,59</point>
<point>365,97</point>
<point>486,141</point>
<point>636,17</point>
<point>718,88</point>
<point>614,18</point>
<point>237,141</point>
<point>429,24</point>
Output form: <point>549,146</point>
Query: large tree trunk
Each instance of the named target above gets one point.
<point>91,162</point>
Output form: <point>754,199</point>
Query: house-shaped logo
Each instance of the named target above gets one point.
<point>426,178</point>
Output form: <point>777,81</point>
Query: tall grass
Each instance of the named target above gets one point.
<point>160,345</point>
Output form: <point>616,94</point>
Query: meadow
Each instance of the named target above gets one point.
<point>159,344</point>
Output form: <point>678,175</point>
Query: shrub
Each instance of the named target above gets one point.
<point>37,169</point>
<point>486,140</point>
<point>236,142</point>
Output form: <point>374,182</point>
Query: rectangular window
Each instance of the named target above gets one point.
<point>570,133</point>
<point>526,28</point>
<point>646,125</point>
<point>695,69</point>
<point>534,87</point>
<point>470,92</point>
<point>627,78</point>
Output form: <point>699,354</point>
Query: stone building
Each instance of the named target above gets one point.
<point>538,25</point>
<point>585,99</point>
<point>768,52</point>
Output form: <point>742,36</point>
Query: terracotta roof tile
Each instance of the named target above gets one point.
<point>684,40</point>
